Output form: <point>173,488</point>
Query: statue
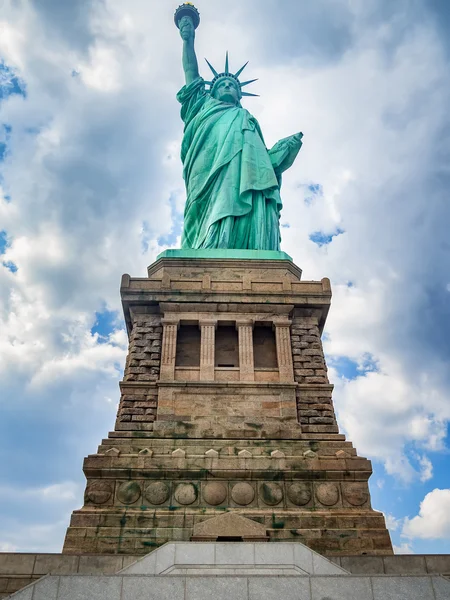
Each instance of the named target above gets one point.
<point>232,180</point>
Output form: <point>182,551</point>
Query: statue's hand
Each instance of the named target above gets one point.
<point>283,154</point>
<point>187,29</point>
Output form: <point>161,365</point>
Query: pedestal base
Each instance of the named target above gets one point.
<point>226,408</point>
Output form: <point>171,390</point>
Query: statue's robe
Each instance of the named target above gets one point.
<point>233,193</point>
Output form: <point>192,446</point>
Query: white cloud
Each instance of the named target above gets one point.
<point>404,548</point>
<point>433,520</point>
<point>392,523</point>
<point>426,469</point>
<point>57,492</point>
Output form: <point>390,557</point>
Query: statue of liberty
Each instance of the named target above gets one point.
<point>232,180</point>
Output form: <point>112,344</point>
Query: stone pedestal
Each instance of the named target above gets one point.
<point>226,407</point>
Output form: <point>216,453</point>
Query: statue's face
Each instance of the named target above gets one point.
<point>226,90</point>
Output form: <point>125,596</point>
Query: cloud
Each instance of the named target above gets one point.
<point>392,523</point>
<point>56,492</point>
<point>433,520</point>
<point>404,548</point>
<point>33,519</point>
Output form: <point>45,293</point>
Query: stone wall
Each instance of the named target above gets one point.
<point>138,404</point>
<point>314,394</point>
<point>19,570</point>
<point>144,351</point>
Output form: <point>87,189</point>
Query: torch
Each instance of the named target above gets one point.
<point>187,10</point>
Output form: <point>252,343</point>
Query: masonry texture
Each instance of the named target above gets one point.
<point>226,407</point>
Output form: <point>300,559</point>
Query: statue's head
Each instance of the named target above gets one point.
<point>226,89</point>
<point>226,86</point>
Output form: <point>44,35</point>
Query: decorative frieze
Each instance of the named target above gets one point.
<point>330,494</point>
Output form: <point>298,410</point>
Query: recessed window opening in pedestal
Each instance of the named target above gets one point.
<point>264,346</point>
<point>227,347</point>
<point>188,346</point>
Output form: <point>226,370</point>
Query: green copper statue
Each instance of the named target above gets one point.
<point>232,181</point>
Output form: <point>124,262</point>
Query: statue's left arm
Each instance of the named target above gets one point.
<point>284,153</point>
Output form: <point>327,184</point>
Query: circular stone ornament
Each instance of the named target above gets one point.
<point>299,494</point>
<point>129,492</point>
<point>243,494</point>
<point>186,494</point>
<point>327,494</point>
<point>355,494</point>
<point>157,492</point>
<point>271,493</point>
<point>214,493</point>
<point>99,492</point>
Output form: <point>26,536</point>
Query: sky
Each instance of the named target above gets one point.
<point>91,187</point>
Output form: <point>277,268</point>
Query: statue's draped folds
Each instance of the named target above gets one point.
<point>233,194</point>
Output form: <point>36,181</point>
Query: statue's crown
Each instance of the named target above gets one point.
<point>228,75</point>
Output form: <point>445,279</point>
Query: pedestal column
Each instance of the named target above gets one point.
<point>169,349</point>
<point>246,361</point>
<point>207,350</point>
<point>284,351</point>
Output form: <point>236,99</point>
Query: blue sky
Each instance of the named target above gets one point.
<point>91,188</point>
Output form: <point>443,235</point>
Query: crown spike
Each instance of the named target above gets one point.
<point>248,82</point>
<point>215,73</point>
<point>227,69</point>
<point>241,69</point>
<point>247,94</point>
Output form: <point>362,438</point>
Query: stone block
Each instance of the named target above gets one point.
<point>160,588</point>
<point>17,583</point>
<point>55,564</point>
<point>265,554</point>
<point>364,565</point>
<point>441,588</point>
<point>165,558</point>
<point>402,588</point>
<point>278,588</point>
<point>438,563</point>
<point>99,565</point>
<point>218,588</point>
<point>235,554</point>
<point>26,594</point>
<point>144,566</point>
<point>341,588</point>
<point>325,567</point>
<point>94,588</point>
<point>303,558</point>
<point>404,565</point>
<point>17,564</point>
<point>46,589</point>
<point>195,554</point>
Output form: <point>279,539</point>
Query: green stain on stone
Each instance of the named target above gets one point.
<point>277,524</point>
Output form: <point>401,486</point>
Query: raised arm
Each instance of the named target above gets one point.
<point>190,64</point>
